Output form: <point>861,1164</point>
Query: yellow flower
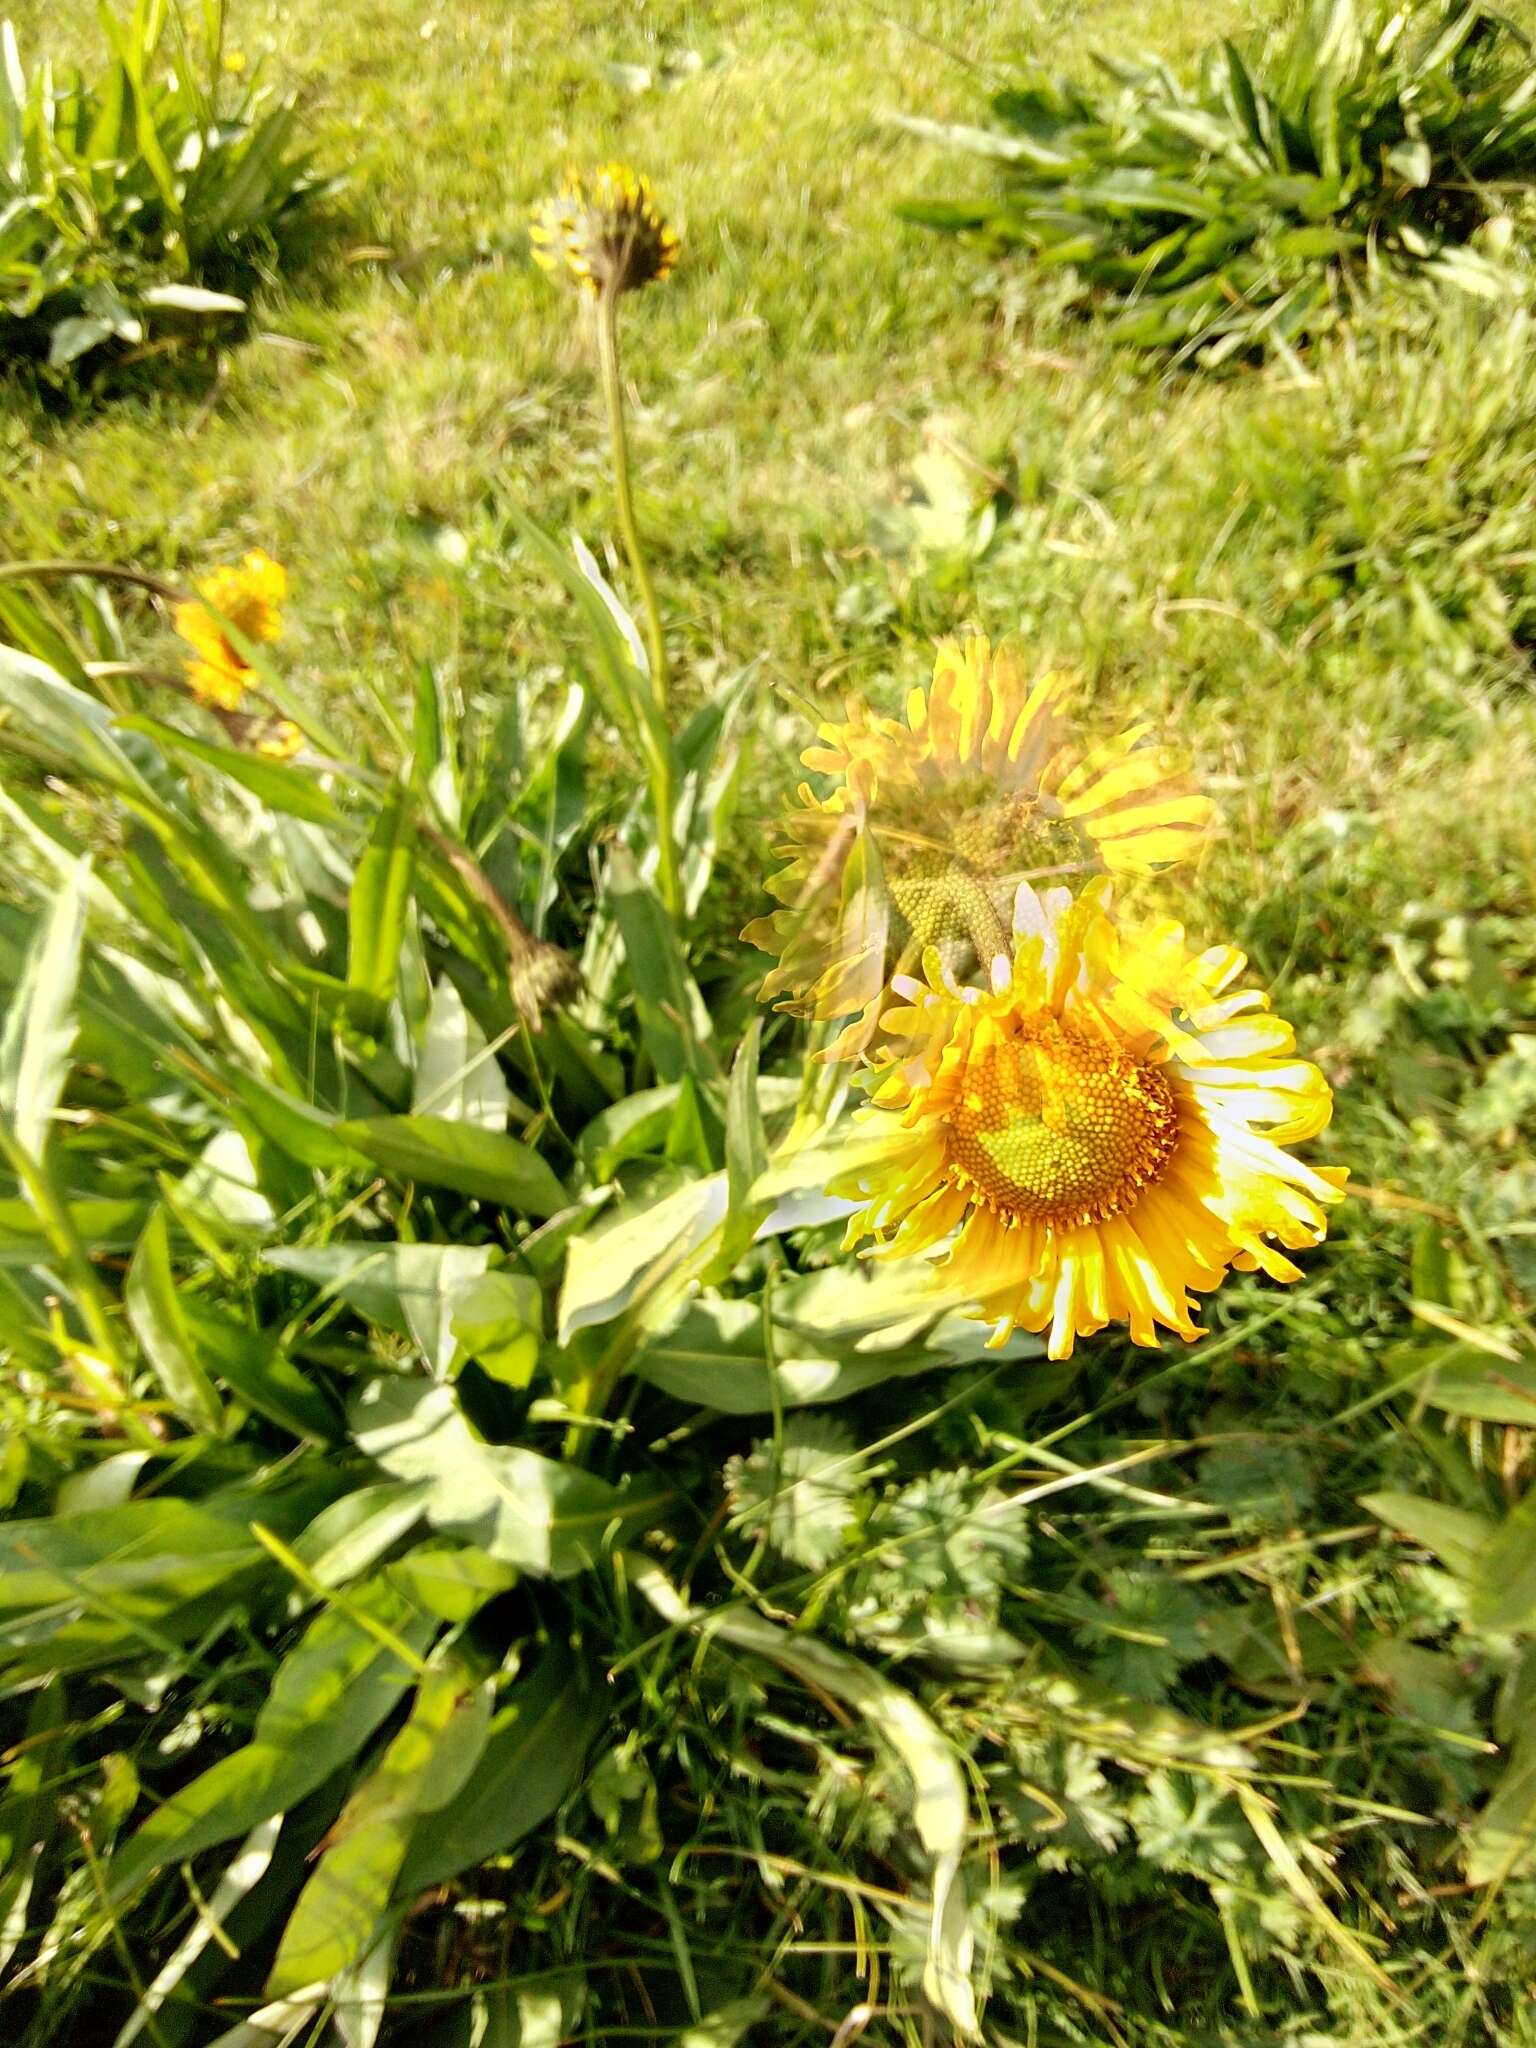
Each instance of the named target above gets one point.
<point>249,595</point>
<point>1097,1137</point>
<point>279,739</point>
<point>605,229</point>
<point>934,822</point>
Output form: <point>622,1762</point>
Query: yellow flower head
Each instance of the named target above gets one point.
<point>1098,1136</point>
<point>934,822</point>
<point>604,228</point>
<point>249,595</point>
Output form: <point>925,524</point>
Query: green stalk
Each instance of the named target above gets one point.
<point>613,396</point>
<point>659,752</point>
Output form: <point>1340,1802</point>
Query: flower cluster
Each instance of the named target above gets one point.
<point>1084,1121</point>
<point>248,597</point>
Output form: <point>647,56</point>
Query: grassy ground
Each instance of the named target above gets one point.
<point>1324,582</point>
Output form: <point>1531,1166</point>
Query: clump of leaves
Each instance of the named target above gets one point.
<point>143,195</point>
<point>1240,213</point>
<point>802,1492</point>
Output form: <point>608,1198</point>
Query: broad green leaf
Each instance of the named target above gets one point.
<point>463,1157</point>
<point>158,1313</point>
<point>1466,1381</point>
<point>278,784</point>
<point>457,1076</point>
<point>258,1370</point>
<point>727,2025</point>
<point>1504,1575</point>
<point>633,1128</point>
<point>340,1911</point>
<point>1455,1535</point>
<point>628,1260</point>
<point>1501,1842</point>
<point>499,1322</point>
<point>326,1698</point>
<point>410,1289</point>
<point>532,1759</point>
<point>673,1018</point>
<point>452,1582</point>
<point>531,1511</point>
<point>40,1023</point>
<point>377,910</point>
<point>119,1557</point>
<point>350,1536</point>
<point>713,1355</point>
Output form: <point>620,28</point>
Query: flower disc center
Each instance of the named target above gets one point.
<point>1054,1126</point>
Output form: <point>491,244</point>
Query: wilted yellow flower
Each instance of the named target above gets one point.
<point>278,738</point>
<point>604,227</point>
<point>250,596</point>
<point>933,823</point>
<point>1098,1136</point>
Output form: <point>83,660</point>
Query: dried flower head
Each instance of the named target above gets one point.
<point>603,227</point>
<point>249,596</point>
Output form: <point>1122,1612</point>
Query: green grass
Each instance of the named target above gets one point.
<point>1326,584</point>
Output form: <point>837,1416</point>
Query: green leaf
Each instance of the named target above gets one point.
<point>673,1018</point>
<point>534,1512</point>
<point>746,1141</point>
<point>1501,1842</point>
<point>499,1322</point>
<point>635,1127</point>
<point>534,1755</point>
<point>411,1289</point>
<point>457,1076</point>
<point>713,1355</point>
<point>109,1556</point>
<point>629,1259</point>
<point>1455,1535</point>
<point>463,1157</point>
<point>261,1374</point>
<point>377,909</point>
<point>1504,1575</point>
<point>277,784</point>
<point>40,1023</point>
<point>326,1698</point>
<point>166,1338</point>
<point>340,1911</point>
<point>1469,1382</point>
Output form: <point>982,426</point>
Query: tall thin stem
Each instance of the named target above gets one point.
<point>657,743</point>
<point>613,394</point>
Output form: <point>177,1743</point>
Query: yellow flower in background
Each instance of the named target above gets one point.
<point>1099,1135</point>
<point>279,739</point>
<point>604,228</point>
<point>933,823</point>
<point>248,594</point>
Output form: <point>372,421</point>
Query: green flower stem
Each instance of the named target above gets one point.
<point>613,395</point>
<point>663,777</point>
<point>106,572</point>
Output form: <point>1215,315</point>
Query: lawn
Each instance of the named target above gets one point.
<point>851,437</point>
